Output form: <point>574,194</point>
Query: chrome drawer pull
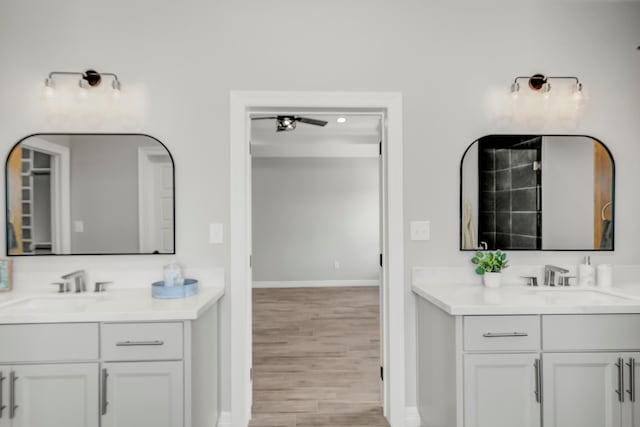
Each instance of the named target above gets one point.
<point>504,334</point>
<point>620,390</point>
<point>105,402</point>
<point>12,395</point>
<point>632,379</point>
<point>138,343</point>
<point>538,373</point>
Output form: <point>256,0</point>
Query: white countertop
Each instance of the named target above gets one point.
<point>117,305</point>
<point>475,299</point>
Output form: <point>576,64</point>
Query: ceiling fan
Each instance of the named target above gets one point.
<point>288,123</point>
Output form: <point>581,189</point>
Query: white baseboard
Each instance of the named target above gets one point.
<point>314,283</point>
<point>412,417</point>
<point>225,419</point>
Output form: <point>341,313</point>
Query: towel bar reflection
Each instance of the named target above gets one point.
<point>606,205</point>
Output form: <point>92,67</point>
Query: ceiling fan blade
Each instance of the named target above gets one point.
<point>311,121</point>
<point>264,118</point>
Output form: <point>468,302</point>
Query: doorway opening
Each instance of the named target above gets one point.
<point>244,105</point>
<point>316,244</point>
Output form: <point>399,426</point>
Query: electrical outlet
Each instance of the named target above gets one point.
<point>420,230</point>
<point>336,265</point>
<point>78,226</point>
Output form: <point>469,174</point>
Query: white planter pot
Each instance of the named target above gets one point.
<point>492,280</point>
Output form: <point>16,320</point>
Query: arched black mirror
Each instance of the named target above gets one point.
<point>98,194</point>
<point>537,192</point>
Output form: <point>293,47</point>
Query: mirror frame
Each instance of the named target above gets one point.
<point>6,192</point>
<point>613,193</point>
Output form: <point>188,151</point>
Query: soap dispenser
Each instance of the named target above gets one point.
<point>586,273</point>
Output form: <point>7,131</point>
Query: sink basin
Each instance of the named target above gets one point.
<point>581,296</point>
<point>60,303</point>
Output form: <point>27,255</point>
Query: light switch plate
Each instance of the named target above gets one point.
<point>216,235</point>
<point>78,226</point>
<point>420,230</point>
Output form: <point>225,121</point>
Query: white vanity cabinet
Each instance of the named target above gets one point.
<point>499,390</point>
<point>527,370</point>
<point>142,394</point>
<point>53,395</point>
<point>49,375</point>
<point>142,374</point>
<point>111,374</point>
<point>590,370</point>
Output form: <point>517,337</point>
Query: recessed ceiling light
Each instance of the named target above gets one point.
<point>341,120</point>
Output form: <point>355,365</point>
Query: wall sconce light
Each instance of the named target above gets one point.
<point>88,79</point>
<point>540,83</point>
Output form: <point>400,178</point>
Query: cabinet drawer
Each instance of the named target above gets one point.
<point>591,332</point>
<point>46,342</point>
<point>497,333</point>
<point>141,341</point>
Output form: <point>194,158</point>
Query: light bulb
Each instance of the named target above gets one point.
<point>515,90</point>
<point>341,120</point>
<point>546,90</point>
<point>116,86</point>
<point>577,94</point>
<point>49,87</point>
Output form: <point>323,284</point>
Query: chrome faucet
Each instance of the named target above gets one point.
<point>550,274</point>
<point>80,280</point>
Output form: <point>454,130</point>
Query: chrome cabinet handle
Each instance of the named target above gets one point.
<point>632,379</point>
<point>135,343</point>
<point>620,390</point>
<point>504,334</point>
<point>12,395</point>
<point>536,365</point>
<point>2,406</point>
<point>104,403</point>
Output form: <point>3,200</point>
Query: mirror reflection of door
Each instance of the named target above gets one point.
<point>156,200</point>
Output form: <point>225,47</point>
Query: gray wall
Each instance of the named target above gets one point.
<point>443,56</point>
<point>104,193</point>
<point>567,192</point>
<point>308,213</point>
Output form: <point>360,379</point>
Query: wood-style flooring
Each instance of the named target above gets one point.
<point>316,358</point>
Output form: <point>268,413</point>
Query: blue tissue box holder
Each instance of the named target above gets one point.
<point>159,290</point>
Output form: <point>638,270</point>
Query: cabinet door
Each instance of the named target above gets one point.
<point>631,407</point>
<point>55,395</point>
<point>580,389</point>
<point>143,394</point>
<point>500,390</point>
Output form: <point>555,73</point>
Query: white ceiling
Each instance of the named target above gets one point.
<point>358,137</point>
<point>355,125</point>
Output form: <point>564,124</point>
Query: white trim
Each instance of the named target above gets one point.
<point>61,191</point>
<point>241,105</point>
<point>224,420</point>
<point>314,283</point>
<point>145,207</point>
<point>412,417</point>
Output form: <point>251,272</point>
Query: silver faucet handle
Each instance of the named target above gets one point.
<point>62,286</point>
<point>531,280</point>
<point>566,280</point>
<point>100,286</point>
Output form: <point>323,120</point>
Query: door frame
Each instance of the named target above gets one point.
<point>242,105</point>
<point>145,177</point>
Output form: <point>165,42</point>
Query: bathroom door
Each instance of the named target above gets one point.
<point>156,204</point>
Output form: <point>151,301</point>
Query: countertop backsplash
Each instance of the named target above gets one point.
<point>622,274</point>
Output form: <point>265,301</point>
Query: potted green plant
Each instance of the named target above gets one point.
<point>489,266</point>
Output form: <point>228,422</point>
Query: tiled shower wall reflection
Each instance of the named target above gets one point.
<point>510,202</point>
